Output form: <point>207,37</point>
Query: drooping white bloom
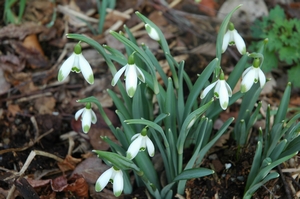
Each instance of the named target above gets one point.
<point>232,37</point>
<point>113,175</point>
<point>140,142</point>
<point>88,116</point>
<point>76,63</point>
<point>251,75</point>
<point>152,32</point>
<point>132,73</point>
<point>222,91</point>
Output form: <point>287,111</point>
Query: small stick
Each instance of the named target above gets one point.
<point>285,184</point>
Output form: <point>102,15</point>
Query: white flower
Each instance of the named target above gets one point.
<point>232,37</point>
<point>140,143</point>
<point>252,75</point>
<point>115,176</point>
<point>76,63</point>
<point>152,32</point>
<point>87,117</point>
<point>132,73</point>
<point>222,91</point>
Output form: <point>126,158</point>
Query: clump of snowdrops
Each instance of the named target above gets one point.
<point>182,118</point>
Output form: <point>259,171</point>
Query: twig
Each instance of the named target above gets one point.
<point>30,144</point>
<point>285,184</point>
<point>27,163</point>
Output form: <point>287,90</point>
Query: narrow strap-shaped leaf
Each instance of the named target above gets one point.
<point>248,193</point>
<point>279,148</point>
<point>198,86</point>
<point>193,173</point>
<point>255,164</point>
<point>208,146</point>
<point>284,103</point>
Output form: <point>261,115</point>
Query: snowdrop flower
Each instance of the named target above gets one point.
<point>232,37</point>
<point>251,75</point>
<point>87,117</point>
<point>132,73</point>
<point>152,32</point>
<point>76,63</point>
<point>113,175</point>
<point>140,142</point>
<point>222,91</point>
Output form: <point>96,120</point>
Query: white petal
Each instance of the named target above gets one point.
<point>131,80</point>
<point>217,88</point>
<point>118,183</point>
<point>207,89</point>
<point>140,75</point>
<point>248,81</point>
<point>150,147</point>
<point>103,180</point>
<point>78,113</point>
<point>239,42</point>
<point>228,90</point>
<point>94,117</point>
<point>118,75</point>
<point>135,136</point>
<point>247,70</point>
<point>86,120</point>
<point>225,41</point>
<point>262,78</point>
<point>66,67</point>
<point>134,147</point>
<point>86,69</point>
<point>223,95</point>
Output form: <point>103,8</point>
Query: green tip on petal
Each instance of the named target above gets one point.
<point>91,79</point>
<point>243,89</point>
<point>98,187</point>
<point>77,49</point>
<point>131,92</point>
<point>129,156</point>
<point>60,76</point>
<point>86,128</point>
<point>118,193</point>
<point>225,105</point>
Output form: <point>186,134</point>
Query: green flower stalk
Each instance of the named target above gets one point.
<point>76,63</point>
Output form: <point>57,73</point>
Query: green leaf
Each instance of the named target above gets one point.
<point>276,13</point>
<point>294,74</point>
<point>288,54</point>
<point>270,61</point>
<point>117,160</point>
<point>193,173</point>
<point>284,103</point>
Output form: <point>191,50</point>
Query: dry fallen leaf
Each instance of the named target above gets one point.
<point>69,163</point>
<point>45,105</point>
<point>4,85</point>
<point>91,168</point>
<point>13,109</point>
